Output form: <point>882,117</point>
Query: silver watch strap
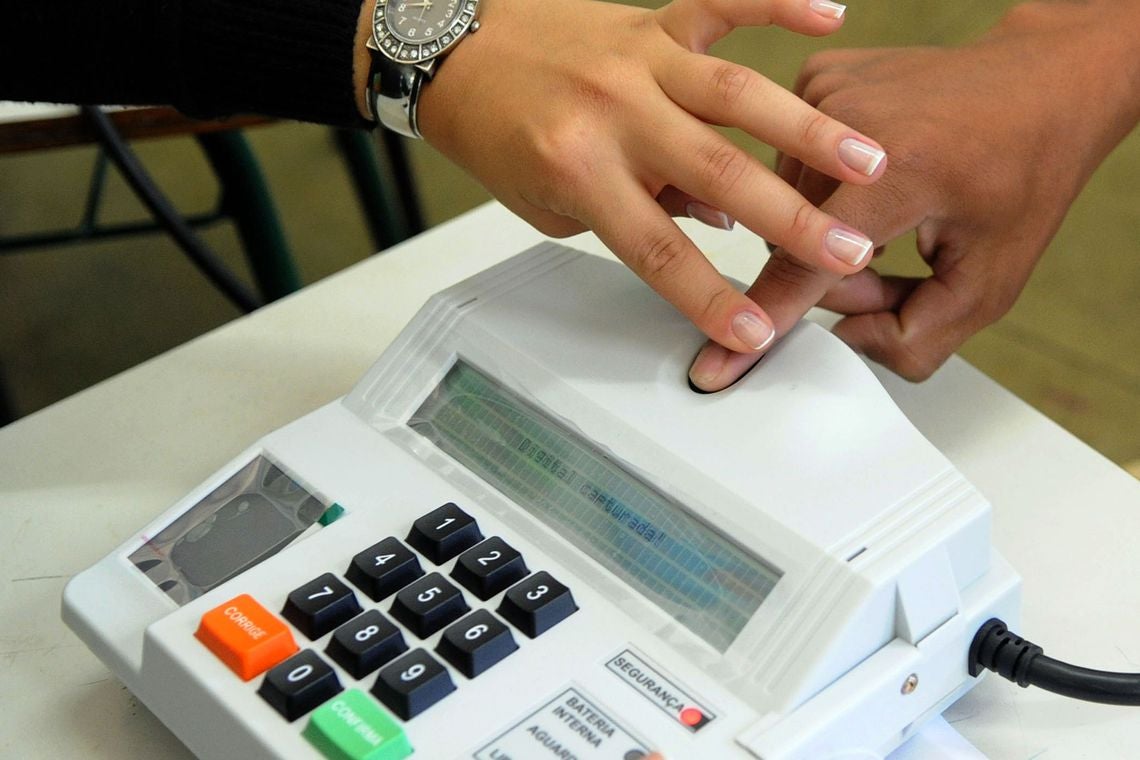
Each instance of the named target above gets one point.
<point>395,94</point>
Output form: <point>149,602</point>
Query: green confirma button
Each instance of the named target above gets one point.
<point>352,726</point>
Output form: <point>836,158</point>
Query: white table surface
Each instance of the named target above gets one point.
<point>78,478</point>
<point>16,111</point>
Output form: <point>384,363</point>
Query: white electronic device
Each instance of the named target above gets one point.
<point>522,535</point>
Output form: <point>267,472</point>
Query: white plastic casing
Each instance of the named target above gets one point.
<point>883,546</point>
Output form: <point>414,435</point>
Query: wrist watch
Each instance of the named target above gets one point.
<point>408,40</point>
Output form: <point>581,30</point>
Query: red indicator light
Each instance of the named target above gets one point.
<point>691,716</point>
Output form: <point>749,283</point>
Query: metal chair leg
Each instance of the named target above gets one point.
<point>384,203</point>
<point>7,408</point>
<point>395,148</point>
<point>245,198</point>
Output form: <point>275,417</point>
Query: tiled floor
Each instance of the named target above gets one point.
<point>72,316</point>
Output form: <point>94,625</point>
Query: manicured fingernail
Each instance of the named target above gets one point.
<point>713,217</point>
<point>860,156</point>
<point>847,246</point>
<point>708,366</point>
<point>752,331</point>
<point>828,9</point>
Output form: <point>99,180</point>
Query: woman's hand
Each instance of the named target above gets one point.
<point>589,115</point>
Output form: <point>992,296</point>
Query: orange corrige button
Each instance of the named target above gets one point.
<point>245,636</point>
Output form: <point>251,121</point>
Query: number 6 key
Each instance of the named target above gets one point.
<point>476,642</point>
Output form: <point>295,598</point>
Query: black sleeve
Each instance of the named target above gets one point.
<point>207,58</point>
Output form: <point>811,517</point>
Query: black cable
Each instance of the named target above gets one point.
<point>164,212</point>
<point>996,648</point>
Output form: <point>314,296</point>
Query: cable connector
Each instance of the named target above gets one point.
<point>997,648</point>
<point>1007,654</point>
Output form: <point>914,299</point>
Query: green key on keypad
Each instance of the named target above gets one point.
<point>354,727</point>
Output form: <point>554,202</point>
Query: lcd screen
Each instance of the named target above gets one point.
<point>688,568</point>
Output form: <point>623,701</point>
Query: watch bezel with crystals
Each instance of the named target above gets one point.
<point>395,48</point>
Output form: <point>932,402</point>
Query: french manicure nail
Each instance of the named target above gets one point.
<point>828,9</point>
<point>713,217</point>
<point>847,246</point>
<point>860,156</point>
<point>752,331</point>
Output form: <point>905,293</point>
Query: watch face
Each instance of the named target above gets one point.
<point>418,30</point>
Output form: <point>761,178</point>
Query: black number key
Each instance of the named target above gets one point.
<point>365,643</point>
<point>299,684</point>
<point>320,605</point>
<point>384,568</point>
<point>537,604</point>
<point>487,568</point>
<point>428,605</point>
<point>443,533</point>
<point>476,642</point>
<point>412,684</point>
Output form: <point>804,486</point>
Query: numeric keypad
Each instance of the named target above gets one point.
<point>364,642</point>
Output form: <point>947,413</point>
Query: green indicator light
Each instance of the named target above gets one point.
<point>352,726</point>
<point>331,515</point>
